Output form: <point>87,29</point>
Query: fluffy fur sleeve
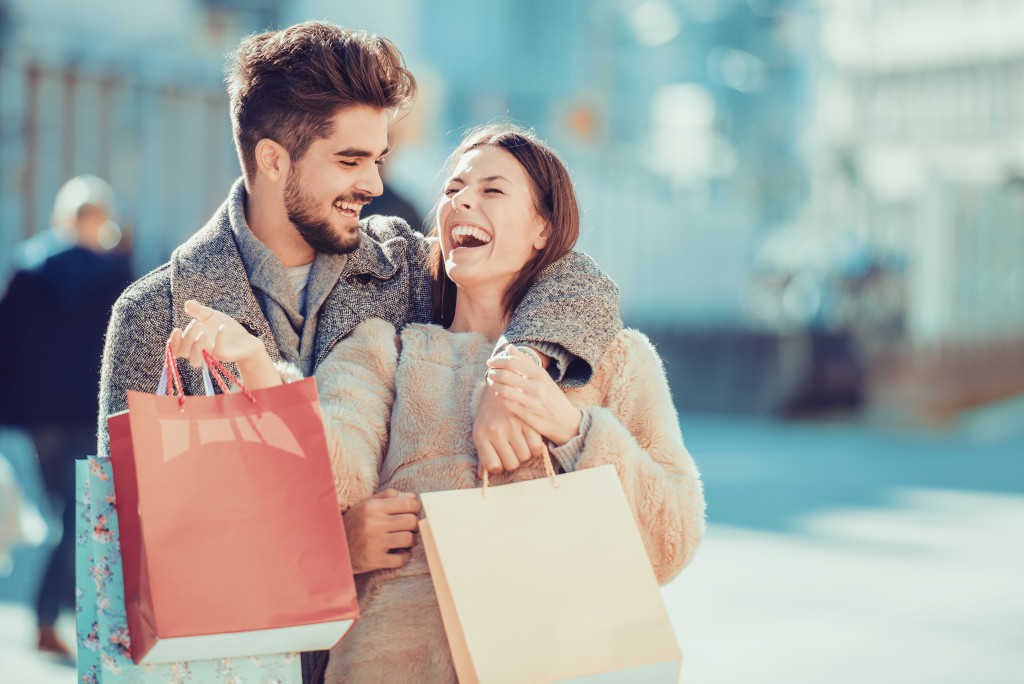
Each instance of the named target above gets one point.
<point>637,431</point>
<point>357,390</point>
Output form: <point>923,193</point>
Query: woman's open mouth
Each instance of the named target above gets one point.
<point>464,236</point>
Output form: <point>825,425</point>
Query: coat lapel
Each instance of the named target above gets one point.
<point>356,296</point>
<point>209,269</point>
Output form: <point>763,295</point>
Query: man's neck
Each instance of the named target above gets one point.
<point>268,221</point>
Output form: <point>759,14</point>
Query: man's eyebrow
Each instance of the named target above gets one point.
<point>361,153</point>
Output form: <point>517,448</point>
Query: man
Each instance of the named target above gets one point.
<point>288,257</point>
<point>67,281</point>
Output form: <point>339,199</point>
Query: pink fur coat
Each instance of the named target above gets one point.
<point>425,399</point>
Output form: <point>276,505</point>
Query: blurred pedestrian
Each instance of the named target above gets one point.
<point>55,312</point>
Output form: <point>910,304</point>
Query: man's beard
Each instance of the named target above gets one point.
<point>315,228</point>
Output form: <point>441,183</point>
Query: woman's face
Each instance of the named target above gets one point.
<point>487,223</point>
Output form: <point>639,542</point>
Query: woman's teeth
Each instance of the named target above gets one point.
<point>469,236</point>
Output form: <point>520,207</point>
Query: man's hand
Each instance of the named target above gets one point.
<point>380,530</point>
<point>503,441</point>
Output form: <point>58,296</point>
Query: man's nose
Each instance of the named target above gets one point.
<point>370,182</point>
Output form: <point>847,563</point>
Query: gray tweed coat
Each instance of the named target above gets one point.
<point>572,304</point>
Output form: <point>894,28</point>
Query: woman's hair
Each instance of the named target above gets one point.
<point>287,85</point>
<point>554,201</point>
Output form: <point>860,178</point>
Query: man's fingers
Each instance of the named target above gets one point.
<point>395,559</point>
<point>197,310</point>
<point>175,340</point>
<point>398,505</point>
<point>195,357</point>
<point>401,540</point>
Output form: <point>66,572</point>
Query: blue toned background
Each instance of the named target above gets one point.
<point>815,209</point>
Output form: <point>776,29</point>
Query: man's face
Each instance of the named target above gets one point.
<point>326,189</point>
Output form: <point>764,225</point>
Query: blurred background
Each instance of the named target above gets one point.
<point>815,208</point>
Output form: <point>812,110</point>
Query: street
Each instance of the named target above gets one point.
<point>835,553</point>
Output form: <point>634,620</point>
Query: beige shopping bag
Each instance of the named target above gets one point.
<point>547,581</point>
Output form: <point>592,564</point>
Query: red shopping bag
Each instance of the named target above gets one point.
<point>232,540</point>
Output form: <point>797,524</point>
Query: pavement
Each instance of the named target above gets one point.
<point>835,553</point>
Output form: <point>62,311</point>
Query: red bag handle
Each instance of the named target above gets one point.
<point>214,363</point>
<point>177,388</point>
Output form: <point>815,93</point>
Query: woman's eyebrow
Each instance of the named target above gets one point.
<point>494,178</point>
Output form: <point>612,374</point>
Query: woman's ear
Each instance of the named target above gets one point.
<point>272,160</point>
<point>541,241</point>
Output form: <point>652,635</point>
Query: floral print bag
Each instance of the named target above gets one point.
<point>104,647</point>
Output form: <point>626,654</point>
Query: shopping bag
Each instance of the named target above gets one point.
<point>547,580</point>
<point>104,646</point>
<point>231,536</point>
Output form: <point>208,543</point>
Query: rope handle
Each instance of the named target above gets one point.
<point>221,370</point>
<point>176,388</point>
<point>548,469</point>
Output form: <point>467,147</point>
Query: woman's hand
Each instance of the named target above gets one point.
<point>226,340</point>
<point>529,392</point>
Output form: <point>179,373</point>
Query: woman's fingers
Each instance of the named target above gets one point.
<point>517,364</point>
<point>488,460</point>
<point>510,378</point>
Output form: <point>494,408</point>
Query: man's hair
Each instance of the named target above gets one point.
<point>554,200</point>
<point>287,85</point>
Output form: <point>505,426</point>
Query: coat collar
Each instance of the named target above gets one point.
<point>209,268</point>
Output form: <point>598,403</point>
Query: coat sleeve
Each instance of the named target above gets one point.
<point>572,306</point>
<point>356,383</point>
<point>133,354</point>
<point>637,431</point>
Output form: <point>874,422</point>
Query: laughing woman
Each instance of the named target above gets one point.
<point>398,408</point>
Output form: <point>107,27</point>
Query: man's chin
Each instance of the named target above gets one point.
<point>332,243</point>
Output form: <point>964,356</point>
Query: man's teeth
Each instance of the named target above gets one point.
<point>348,206</point>
<point>461,233</point>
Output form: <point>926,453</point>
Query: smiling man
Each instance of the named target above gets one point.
<point>289,258</point>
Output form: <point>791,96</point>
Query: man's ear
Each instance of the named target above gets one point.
<point>272,160</point>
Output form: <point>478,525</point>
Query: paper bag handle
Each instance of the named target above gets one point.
<point>548,469</point>
<point>177,388</point>
<point>221,370</point>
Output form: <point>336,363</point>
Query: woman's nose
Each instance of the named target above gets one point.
<point>460,200</point>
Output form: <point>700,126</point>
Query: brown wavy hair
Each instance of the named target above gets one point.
<point>287,85</point>
<point>554,200</point>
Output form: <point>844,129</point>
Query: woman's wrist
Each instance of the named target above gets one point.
<point>570,427</point>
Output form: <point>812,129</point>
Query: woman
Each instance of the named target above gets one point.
<point>398,410</point>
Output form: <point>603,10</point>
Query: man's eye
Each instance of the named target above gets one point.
<point>345,163</point>
<point>380,162</point>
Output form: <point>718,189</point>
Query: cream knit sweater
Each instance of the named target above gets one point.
<point>425,398</point>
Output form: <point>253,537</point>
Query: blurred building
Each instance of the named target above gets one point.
<point>919,164</point>
<point>131,92</point>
